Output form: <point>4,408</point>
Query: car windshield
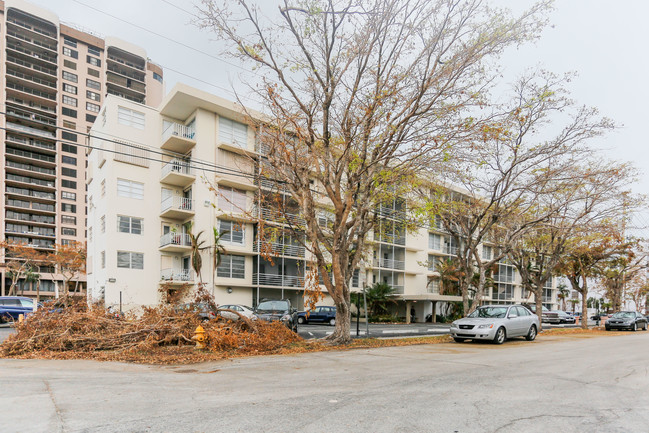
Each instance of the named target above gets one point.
<point>272,306</point>
<point>492,312</point>
<point>624,315</point>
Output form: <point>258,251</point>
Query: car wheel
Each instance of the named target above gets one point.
<point>332,322</point>
<point>458,340</point>
<point>500,336</point>
<point>608,329</point>
<point>531,335</point>
<point>634,327</point>
<point>301,320</point>
<point>645,327</point>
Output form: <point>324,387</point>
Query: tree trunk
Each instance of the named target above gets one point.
<point>538,292</point>
<point>341,334</point>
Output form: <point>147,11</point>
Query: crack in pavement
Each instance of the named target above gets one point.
<point>527,418</point>
<point>56,406</point>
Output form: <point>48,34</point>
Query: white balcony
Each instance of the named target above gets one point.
<point>177,276</point>
<point>175,243</point>
<point>178,138</point>
<point>177,207</point>
<point>280,217</point>
<point>277,280</point>
<point>178,172</point>
<point>279,249</point>
<point>390,264</point>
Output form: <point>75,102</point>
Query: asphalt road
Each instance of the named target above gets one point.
<point>566,384</point>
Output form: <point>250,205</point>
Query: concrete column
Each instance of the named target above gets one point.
<point>434,314</point>
<point>408,307</point>
<point>2,284</point>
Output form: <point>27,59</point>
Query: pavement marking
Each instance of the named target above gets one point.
<point>311,334</point>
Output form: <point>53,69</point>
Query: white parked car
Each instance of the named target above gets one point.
<point>241,309</point>
<point>496,323</point>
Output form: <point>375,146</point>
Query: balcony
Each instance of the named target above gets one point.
<point>178,172</point>
<point>390,264</point>
<point>175,243</point>
<point>31,66</point>
<point>28,157</point>
<point>280,217</point>
<point>30,142</point>
<point>177,207</point>
<point>30,130</point>
<point>177,276</point>
<point>178,138</point>
<point>277,280</point>
<point>278,249</point>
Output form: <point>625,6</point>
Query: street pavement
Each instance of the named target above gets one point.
<point>556,383</point>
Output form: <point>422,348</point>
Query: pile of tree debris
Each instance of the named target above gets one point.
<point>81,331</point>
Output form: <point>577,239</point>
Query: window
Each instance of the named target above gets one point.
<point>69,160</point>
<point>93,84</point>
<point>70,76</point>
<point>94,50</point>
<point>69,64</point>
<point>231,199</point>
<point>432,263</point>
<point>233,132</point>
<point>69,42</point>
<point>505,273</point>
<point>103,259</point>
<point>130,118</point>
<point>68,195</point>
<point>70,100</point>
<point>70,53</point>
<point>102,223</point>
<point>69,184</point>
<point>434,242</point>
<point>90,118</point>
<point>92,95</point>
<point>67,231</point>
<point>69,112</point>
<point>503,291</point>
<point>70,172</point>
<point>157,77</point>
<point>232,267</point>
<point>486,252</point>
<point>70,88</point>
<point>66,207</point>
<point>93,72</point>
<point>235,232</point>
<point>93,61</point>
<point>129,260</point>
<point>130,189</point>
<point>70,148</point>
<point>69,125</point>
<point>92,107</point>
<point>66,219</point>
<point>127,224</point>
<point>103,187</point>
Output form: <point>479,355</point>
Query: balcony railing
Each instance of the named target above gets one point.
<point>392,238</point>
<point>31,142</point>
<point>390,264</point>
<point>177,166</point>
<point>17,61</point>
<point>178,203</point>
<point>30,130</point>
<point>178,130</point>
<point>177,275</point>
<point>281,217</point>
<point>279,249</point>
<point>31,155</point>
<point>277,280</point>
<point>180,239</point>
<point>32,168</point>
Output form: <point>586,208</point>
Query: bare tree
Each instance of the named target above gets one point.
<point>359,96</point>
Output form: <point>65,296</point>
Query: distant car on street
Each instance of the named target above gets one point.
<point>496,323</point>
<point>319,315</point>
<point>547,316</point>
<point>565,317</point>
<point>244,310</point>
<point>11,307</point>
<point>627,320</point>
<point>273,310</point>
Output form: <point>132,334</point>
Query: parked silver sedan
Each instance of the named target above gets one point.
<point>496,323</point>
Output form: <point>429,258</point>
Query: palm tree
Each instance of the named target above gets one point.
<point>378,296</point>
<point>198,246</point>
<point>562,293</point>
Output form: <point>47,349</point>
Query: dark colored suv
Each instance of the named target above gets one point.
<point>318,314</point>
<point>273,310</point>
<point>547,316</point>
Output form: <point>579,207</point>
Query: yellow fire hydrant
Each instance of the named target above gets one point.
<point>200,337</point>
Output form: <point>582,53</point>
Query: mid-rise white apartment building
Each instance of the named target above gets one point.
<point>189,165</point>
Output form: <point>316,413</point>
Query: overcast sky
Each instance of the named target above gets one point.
<point>603,41</point>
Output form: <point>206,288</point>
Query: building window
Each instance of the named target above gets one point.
<point>70,76</point>
<point>130,189</point>
<point>92,107</point>
<point>129,260</point>
<point>67,219</point>
<point>70,100</point>
<point>503,292</point>
<point>157,77</point>
<point>67,231</point>
<point>103,259</point>
<point>234,232</point>
<point>486,252</point>
<point>70,172</point>
<point>94,50</point>
<point>69,64</point>
<point>69,184</point>
<point>93,84</point>
<point>69,125</point>
<point>66,207</point>
<point>69,112</point>
<point>233,132</point>
<point>102,223</point>
<point>231,199</point>
<point>69,160</point>
<point>127,224</point>
<point>432,263</point>
<point>69,42</point>
<point>434,242</point>
<point>130,117</point>
<point>68,195</point>
<point>93,61</point>
<point>92,95</point>
<point>70,53</point>
<point>70,148</point>
<point>103,187</point>
<point>90,118</point>
<point>70,88</point>
<point>232,267</point>
<point>93,72</point>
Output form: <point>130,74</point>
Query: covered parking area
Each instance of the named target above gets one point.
<point>424,304</point>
